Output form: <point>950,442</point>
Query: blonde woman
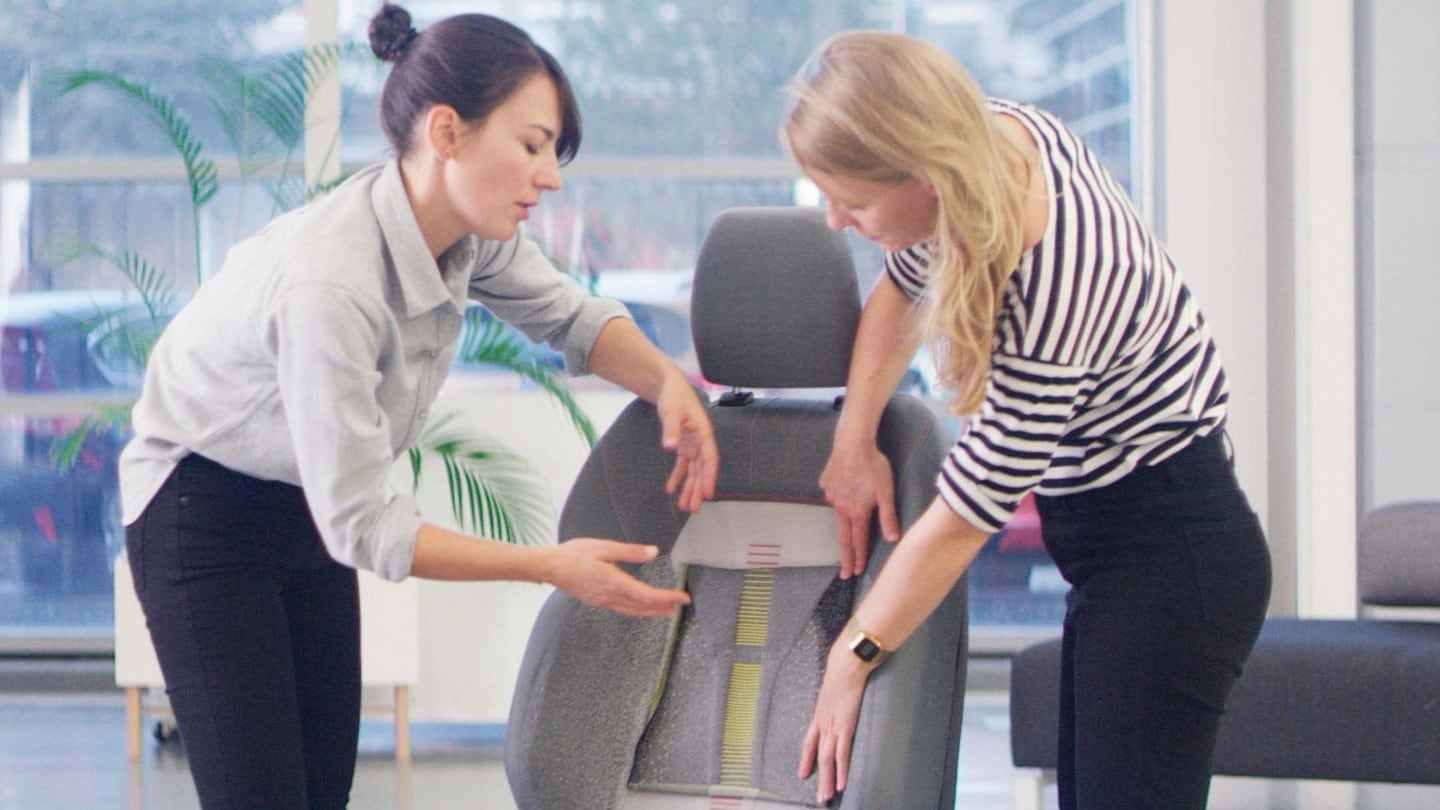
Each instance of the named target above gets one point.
<point>1089,377</point>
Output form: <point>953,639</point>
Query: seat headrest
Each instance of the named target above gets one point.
<point>775,302</point>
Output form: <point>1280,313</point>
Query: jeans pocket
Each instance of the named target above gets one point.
<point>214,514</point>
<point>1231,565</point>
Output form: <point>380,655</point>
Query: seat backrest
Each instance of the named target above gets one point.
<point>1399,562</point>
<point>708,710</point>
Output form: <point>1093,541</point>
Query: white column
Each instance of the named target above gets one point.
<point>14,194</point>
<point>1325,305</point>
<point>1209,119</point>
<point>322,110</point>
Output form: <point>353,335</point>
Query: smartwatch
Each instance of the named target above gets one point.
<point>867,647</point>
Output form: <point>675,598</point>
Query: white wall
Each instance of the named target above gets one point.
<point>472,635</point>
<point>1322,99</point>
<point>1255,119</point>
<point>1400,167</point>
<point>1210,100</point>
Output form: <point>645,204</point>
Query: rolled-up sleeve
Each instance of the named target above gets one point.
<point>1030,402</point>
<point>909,269</point>
<point>326,344</point>
<point>1007,447</point>
<point>523,288</point>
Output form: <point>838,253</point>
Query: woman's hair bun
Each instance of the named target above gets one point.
<point>391,32</point>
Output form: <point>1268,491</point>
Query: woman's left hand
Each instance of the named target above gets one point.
<point>826,749</point>
<point>686,431</point>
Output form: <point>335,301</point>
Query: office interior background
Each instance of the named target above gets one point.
<point>1285,149</point>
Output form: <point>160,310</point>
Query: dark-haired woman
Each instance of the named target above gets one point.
<point>278,398</point>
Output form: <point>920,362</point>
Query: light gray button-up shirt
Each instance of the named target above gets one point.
<point>313,356</point>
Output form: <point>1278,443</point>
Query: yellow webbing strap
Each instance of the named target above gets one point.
<point>743,694</point>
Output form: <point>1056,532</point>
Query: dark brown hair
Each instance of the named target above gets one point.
<point>472,62</point>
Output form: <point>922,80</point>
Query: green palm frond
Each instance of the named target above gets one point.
<point>152,282</point>
<point>228,90</point>
<point>279,94</point>
<point>199,170</point>
<point>486,340</point>
<point>115,336</point>
<point>493,492</point>
<point>66,451</point>
<point>550,383</point>
<point>263,114</point>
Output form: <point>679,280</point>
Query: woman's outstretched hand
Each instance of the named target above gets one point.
<point>685,430</point>
<point>826,748</point>
<point>586,569</point>
<point>857,482</point>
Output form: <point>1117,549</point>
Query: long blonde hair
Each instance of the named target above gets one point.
<point>887,107</point>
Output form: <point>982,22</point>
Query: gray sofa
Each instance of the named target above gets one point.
<point>1352,700</point>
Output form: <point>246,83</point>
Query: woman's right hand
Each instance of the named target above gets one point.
<point>857,482</point>
<point>585,568</point>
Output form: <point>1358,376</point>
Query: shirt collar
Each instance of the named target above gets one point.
<point>420,277</point>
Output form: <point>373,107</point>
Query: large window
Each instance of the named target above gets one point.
<point>681,102</point>
<point>90,173</point>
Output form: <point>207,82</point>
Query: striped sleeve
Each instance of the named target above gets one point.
<point>1006,449</point>
<point>1101,360</point>
<point>910,269</point>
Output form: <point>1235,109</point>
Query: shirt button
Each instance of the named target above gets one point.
<point>430,353</point>
<point>423,414</point>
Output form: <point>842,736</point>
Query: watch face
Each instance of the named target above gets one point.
<point>865,648</point>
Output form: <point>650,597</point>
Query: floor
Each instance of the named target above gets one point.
<point>67,753</point>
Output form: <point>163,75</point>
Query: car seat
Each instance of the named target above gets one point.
<point>708,709</point>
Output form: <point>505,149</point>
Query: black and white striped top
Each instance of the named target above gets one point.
<point>1102,362</point>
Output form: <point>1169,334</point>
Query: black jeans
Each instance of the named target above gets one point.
<point>1170,577</point>
<point>257,630</point>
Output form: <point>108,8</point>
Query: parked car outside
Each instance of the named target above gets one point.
<point>58,530</point>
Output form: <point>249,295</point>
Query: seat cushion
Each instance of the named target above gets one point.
<point>1335,699</point>
<point>742,683</point>
<point>745,666</point>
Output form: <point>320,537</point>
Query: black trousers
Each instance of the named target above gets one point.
<point>1170,577</point>
<point>257,630</point>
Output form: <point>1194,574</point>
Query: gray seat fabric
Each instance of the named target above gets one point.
<point>613,712</point>
<point>1355,700</point>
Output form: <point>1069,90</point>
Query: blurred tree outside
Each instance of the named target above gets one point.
<point>695,77</point>
<point>686,80</point>
<point>169,46</point>
<point>154,42</point>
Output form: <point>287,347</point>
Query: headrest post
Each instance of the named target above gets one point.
<point>736,398</point>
